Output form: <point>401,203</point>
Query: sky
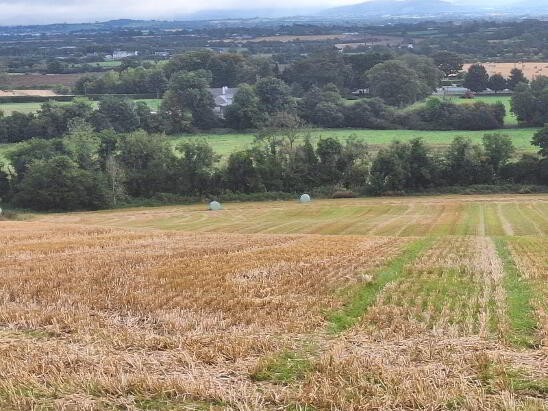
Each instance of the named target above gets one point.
<point>71,11</point>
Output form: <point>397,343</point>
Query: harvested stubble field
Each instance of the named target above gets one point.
<point>415,303</point>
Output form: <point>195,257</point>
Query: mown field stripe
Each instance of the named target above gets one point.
<point>519,294</point>
<point>365,294</point>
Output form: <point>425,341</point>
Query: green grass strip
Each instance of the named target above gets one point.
<point>284,368</point>
<point>519,293</point>
<point>366,294</point>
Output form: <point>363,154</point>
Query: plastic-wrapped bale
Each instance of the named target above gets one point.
<point>305,198</point>
<point>214,206</point>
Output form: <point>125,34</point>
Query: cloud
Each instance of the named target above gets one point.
<point>48,11</point>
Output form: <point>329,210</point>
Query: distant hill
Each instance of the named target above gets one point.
<point>377,8</point>
<point>246,14</point>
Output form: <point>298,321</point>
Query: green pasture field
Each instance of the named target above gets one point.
<point>9,108</point>
<point>225,144</point>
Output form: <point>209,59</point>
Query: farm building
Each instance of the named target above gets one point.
<point>223,97</point>
<point>451,91</point>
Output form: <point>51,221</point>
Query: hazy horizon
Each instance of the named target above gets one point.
<point>22,12</point>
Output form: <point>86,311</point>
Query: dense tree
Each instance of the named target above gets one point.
<point>156,82</point>
<point>191,61</point>
<point>425,68</point>
<point>499,150</point>
<point>497,83</point>
<point>329,152</point>
<point>194,168</point>
<point>465,163</point>
<point>404,166</point>
<point>117,113</point>
<point>35,149</point>
<point>390,170</point>
<point>5,183</point>
<point>59,184</point>
<point>244,112</point>
<point>362,62</point>
<point>322,107</point>
<point>241,175</point>
<point>230,69</point>
<point>396,83</point>
<point>530,102</point>
<point>319,69</point>
<point>540,139</point>
<point>369,113</point>
<point>516,77</point>
<point>188,93</point>
<point>448,62</point>
<point>149,162</point>
<point>274,95</point>
<point>477,78</point>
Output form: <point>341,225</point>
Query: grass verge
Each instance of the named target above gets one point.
<point>519,294</point>
<point>365,294</point>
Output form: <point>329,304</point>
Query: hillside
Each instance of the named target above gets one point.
<point>395,8</point>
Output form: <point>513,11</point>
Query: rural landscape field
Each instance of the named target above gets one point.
<point>390,303</point>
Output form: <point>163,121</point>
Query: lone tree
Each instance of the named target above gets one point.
<point>396,83</point>
<point>477,78</point>
<point>516,77</point>
<point>497,83</point>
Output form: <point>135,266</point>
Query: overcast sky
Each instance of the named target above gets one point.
<point>58,11</point>
<point>70,11</point>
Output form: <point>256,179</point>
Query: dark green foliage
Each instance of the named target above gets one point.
<point>149,162</point>
<point>477,78</point>
<point>117,113</point>
<point>195,167</point>
<point>540,139</point>
<point>59,184</point>
<point>369,113</point>
<point>466,164</point>
<point>497,83</point>
<point>241,175</point>
<point>362,62</point>
<point>516,77</point>
<point>5,183</point>
<point>530,102</point>
<point>425,68</point>
<point>499,150</point>
<point>245,111</point>
<point>319,69</point>
<point>404,166</point>
<point>438,114</point>
<point>322,107</point>
<point>396,83</point>
<point>448,62</point>
<point>274,95</point>
<point>188,94</point>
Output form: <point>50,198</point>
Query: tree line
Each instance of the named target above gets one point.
<point>91,170</point>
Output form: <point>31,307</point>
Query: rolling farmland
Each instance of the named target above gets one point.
<point>391,303</point>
